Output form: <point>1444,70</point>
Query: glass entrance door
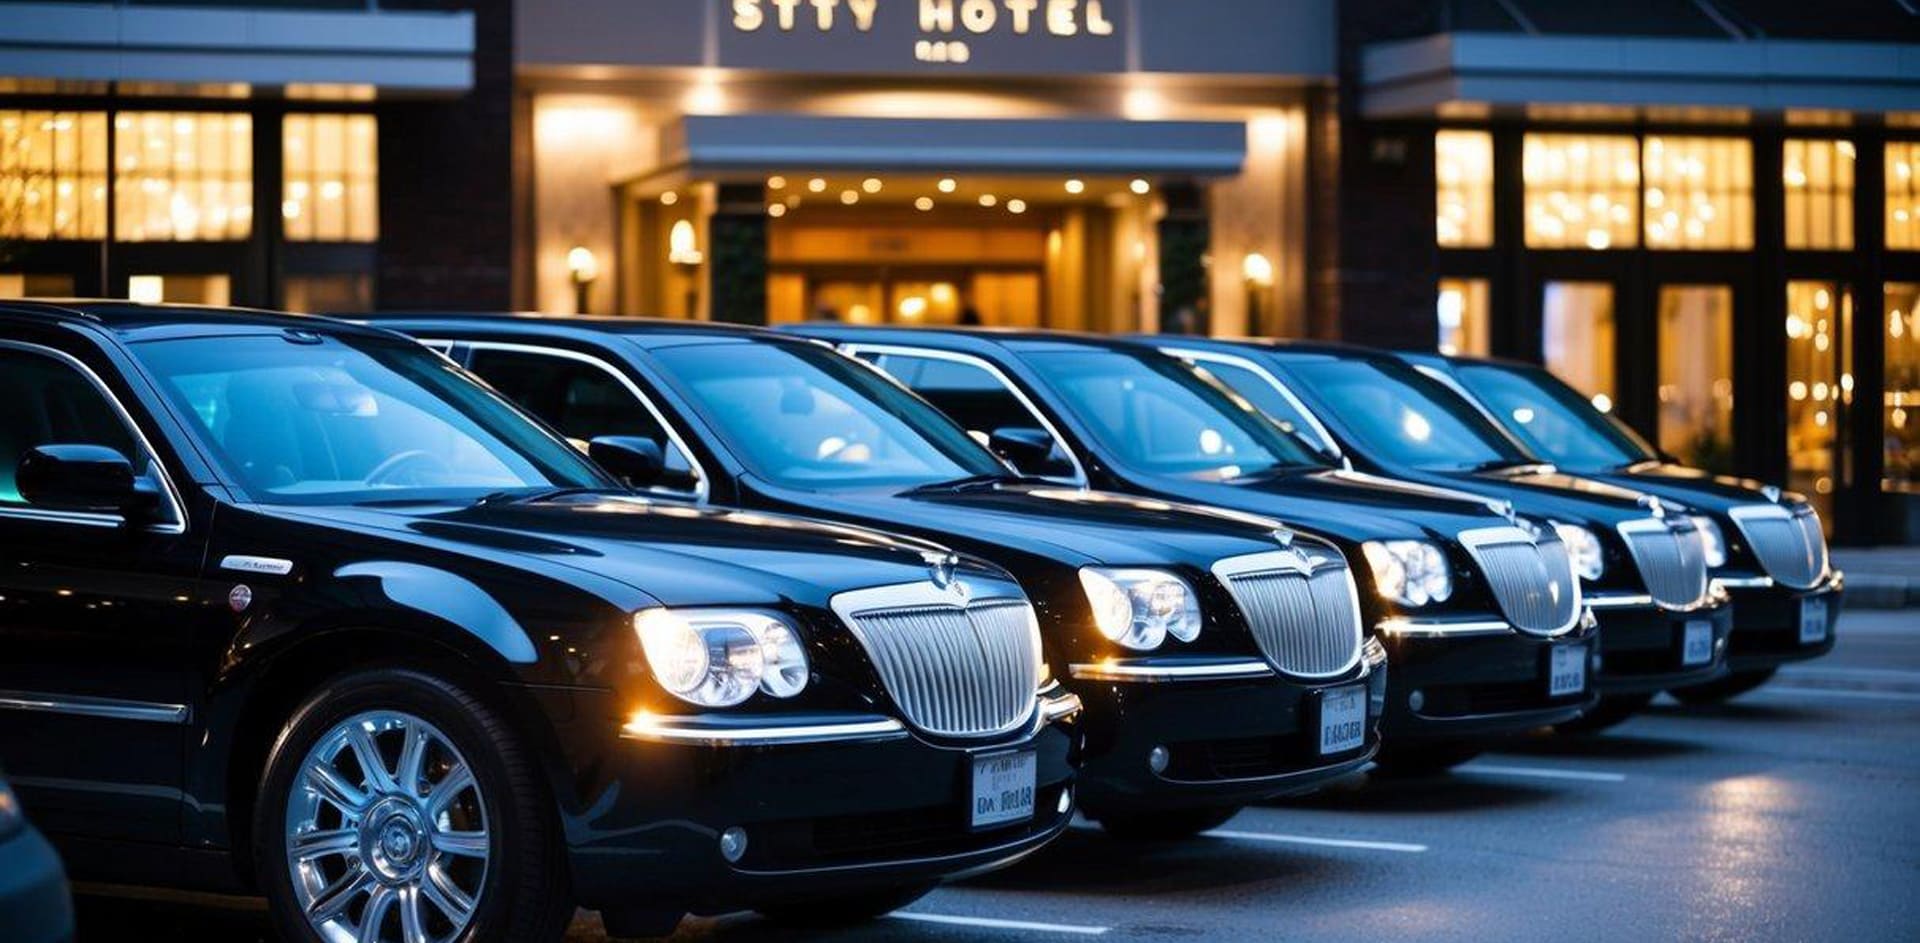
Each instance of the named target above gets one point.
<point>1695,394</point>
<point>1819,390</point>
<point>1579,337</point>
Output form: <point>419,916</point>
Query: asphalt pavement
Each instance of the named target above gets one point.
<point>1792,813</point>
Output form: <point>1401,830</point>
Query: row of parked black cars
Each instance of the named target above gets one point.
<point>803,622</point>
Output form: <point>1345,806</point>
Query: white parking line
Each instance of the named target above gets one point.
<point>993,923</point>
<point>1319,842</point>
<point>1843,693</point>
<point>1538,772</point>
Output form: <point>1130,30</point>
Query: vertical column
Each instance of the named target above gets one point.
<point>258,282</point>
<point>737,255</point>
<point>1759,336</point>
<point>1184,235</point>
<point>1513,311</point>
<point>1866,512</point>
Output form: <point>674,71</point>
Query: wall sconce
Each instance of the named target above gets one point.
<point>683,253</point>
<point>583,268</point>
<point>1258,271</point>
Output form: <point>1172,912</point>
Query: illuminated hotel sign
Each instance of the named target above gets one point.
<point>943,31</point>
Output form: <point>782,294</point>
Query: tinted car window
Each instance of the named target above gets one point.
<point>1403,418</point>
<point>51,403</point>
<point>343,420</point>
<point>969,393</point>
<point>1161,416</point>
<point>1554,420</point>
<point>807,417</point>
<point>1265,398</point>
<point>582,400</point>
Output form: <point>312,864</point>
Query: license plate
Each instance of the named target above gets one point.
<point>1697,647</point>
<point>1813,620</point>
<point>1003,787</point>
<point>1343,719</point>
<point>1567,670</point>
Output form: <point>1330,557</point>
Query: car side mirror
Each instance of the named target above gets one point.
<point>1030,451</point>
<point>637,460</point>
<point>85,478</point>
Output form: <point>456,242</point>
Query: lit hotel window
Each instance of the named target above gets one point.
<point>332,184</point>
<point>1463,185</point>
<point>1903,387</point>
<point>1903,194</point>
<point>1819,384</point>
<point>1582,191</point>
<point>1699,192</point>
<point>182,176</point>
<point>1577,337</point>
<point>53,175</point>
<point>1462,316</point>
<point>1818,176</point>
<point>1696,374</point>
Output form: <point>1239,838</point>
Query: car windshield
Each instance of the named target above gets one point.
<point>1400,417</point>
<point>305,418</point>
<point>1553,419</point>
<point>805,417</point>
<point>1156,414</point>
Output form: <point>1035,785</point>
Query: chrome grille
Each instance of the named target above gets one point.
<point>1788,542</point>
<point>1302,608</point>
<point>956,667</point>
<point>1672,559</point>
<point>1533,582</point>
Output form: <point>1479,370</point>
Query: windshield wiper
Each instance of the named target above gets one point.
<point>966,483</point>
<point>1507,466</point>
<point>531,497</point>
<point>1284,470</point>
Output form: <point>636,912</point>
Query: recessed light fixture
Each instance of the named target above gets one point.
<point>777,210</point>
<point>948,185</point>
<point>1076,187</point>
<point>669,198</point>
<point>849,197</point>
<point>871,184</point>
<point>817,185</point>
<point>1140,186</point>
<point>776,182</point>
<point>923,204</point>
<point>1016,206</point>
<point>988,199</point>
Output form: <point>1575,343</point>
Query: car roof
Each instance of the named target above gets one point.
<point>975,339</point>
<point>133,319</point>
<point>646,332</point>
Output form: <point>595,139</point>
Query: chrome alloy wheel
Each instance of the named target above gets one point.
<point>386,833</point>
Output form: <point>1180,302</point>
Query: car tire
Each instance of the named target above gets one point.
<point>1417,759</point>
<point>846,909</point>
<point>1612,710</point>
<point>1722,689</point>
<point>470,856</point>
<point>1166,824</point>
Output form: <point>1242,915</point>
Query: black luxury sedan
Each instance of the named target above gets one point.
<point>1220,655</point>
<point>1480,613</point>
<point>299,607</point>
<point>1767,546</point>
<point>35,904</point>
<point>1645,563</point>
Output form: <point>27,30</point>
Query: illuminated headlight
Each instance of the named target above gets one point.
<point>1409,572</point>
<point>10,818</point>
<point>1583,548</point>
<point>1715,541</point>
<point>716,658</point>
<point>1139,609</point>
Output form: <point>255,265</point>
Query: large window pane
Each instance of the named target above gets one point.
<point>1819,179</point>
<point>1699,192</point>
<point>1462,315</point>
<point>1577,337</point>
<point>1463,186</point>
<point>1696,375</point>
<point>332,179</point>
<point>53,175</point>
<point>1582,191</point>
<point>1903,194</point>
<point>1819,386</point>
<point>183,176</point>
<point>1902,398</point>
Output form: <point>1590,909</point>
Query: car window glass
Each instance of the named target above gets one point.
<point>967,392</point>
<point>581,400</point>
<point>1402,418</point>
<point>805,416</point>
<point>341,420</point>
<point>48,402</point>
<point>1554,420</point>
<point>1266,398</point>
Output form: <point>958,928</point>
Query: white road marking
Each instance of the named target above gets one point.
<point>1319,842</point>
<point>1538,772</point>
<point>993,923</point>
<point>1796,691</point>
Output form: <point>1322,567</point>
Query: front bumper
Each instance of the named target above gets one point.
<point>35,906</point>
<point>1457,680</point>
<point>1233,732</point>
<point>831,805</point>
<point>1643,646</point>
<point>1767,622</point>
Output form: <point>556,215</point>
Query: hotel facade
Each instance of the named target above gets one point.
<point>1705,215</point>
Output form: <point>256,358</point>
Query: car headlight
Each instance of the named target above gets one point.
<point>1139,609</point>
<point>1583,548</point>
<point>10,817</point>
<point>1409,572</point>
<point>718,658</point>
<point>1715,541</point>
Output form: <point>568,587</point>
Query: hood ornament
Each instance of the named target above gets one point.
<point>1654,506</point>
<point>941,566</point>
<point>1283,537</point>
<point>1771,493</point>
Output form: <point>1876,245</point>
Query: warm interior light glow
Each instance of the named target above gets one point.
<point>923,204</point>
<point>849,197</point>
<point>1076,187</point>
<point>1140,186</point>
<point>948,185</point>
<point>146,289</point>
<point>777,210</point>
<point>1016,206</point>
<point>988,199</point>
<point>669,198</point>
<point>776,182</point>
<point>871,184</point>
<point>1258,269</point>
<point>817,185</point>
<point>683,247</point>
<point>581,265</point>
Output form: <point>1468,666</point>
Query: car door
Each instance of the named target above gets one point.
<point>97,616</point>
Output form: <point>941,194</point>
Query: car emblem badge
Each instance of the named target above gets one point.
<point>1284,537</point>
<point>240,597</point>
<point>1654,506</point>
<point>940,567</point>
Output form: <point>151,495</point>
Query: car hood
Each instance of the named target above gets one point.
<point>1699,489</point>
<point>678,554</point>
<point>1556,495</point>
<point>1350,506</point>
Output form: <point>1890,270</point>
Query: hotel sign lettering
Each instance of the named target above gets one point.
<point>1001,33</point>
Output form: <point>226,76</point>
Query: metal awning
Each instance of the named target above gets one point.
<point>702,145</point>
